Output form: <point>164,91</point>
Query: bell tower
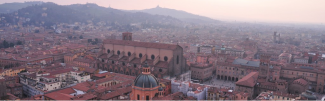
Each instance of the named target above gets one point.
<point>265,65</point>
<point>127,36</point>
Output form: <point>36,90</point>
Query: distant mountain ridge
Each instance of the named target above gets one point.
<point>11,7</point>
<point>182,15</point>
<point>98,11</point>
<point>50,13</point>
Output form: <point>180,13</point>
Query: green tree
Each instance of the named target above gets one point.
<point>11,44</point>
<point>90,40</point>
<point>36,31</point>
<point>19,42</point>
<point>5,44</point>
<point>23,71</point>
<point>76,28</point>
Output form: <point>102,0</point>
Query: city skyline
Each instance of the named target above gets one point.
<point>288,11</point>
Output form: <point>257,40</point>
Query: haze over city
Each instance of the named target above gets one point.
<point>162,50</point>
<point>284,11</point>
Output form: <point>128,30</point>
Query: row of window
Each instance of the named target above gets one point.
<point>140,55</point>
<point>229,68</point>
<point>311,75</point>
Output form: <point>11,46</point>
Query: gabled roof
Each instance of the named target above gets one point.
<point>248,80</point>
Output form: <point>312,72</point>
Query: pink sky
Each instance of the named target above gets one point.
<point>301,11</point>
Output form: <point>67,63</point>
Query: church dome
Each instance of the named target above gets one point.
<point>146,81</point>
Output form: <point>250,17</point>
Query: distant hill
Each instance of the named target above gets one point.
<point>48,14</point>
<point>11,7</point>
<point>182,15</point>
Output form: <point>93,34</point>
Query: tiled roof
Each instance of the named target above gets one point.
<point>117,92</point>
<point>80,87</point>
<point>246,62</point>
<point>141,44</point>
<point>249,80</point>
<point>11,97</point>
<point>90,70</point>
<point>61,94</point>
<point>301,81</point>
<point>61,71</point>
<point>86,96</point>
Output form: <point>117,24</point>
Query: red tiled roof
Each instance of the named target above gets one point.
<point>249,80</point>
<point>141,44</point>
<point>12,97</point>
<point>90,70</point>
<point>61,71</point>
<point>86,96</point>
<point>80,87</point>
<point>61,94</point>
<point>101,75</point>
<point>301,81</point>
<point>117,92</point>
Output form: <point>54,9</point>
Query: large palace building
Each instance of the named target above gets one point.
<point>126,57</point>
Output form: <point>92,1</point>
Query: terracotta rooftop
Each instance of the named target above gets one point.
<point>301,81</point>
<point>86,96</point>
<point>249,80</point>
<point>63,94</point>
<point>141,44</point>
<point>12,97</point>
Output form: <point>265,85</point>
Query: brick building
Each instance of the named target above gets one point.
<point>225,94</point>
<point>3,86</point>
<point>247,84</point>
<point>126,57</point>
<point>201,72</point>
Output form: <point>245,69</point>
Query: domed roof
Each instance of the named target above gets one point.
<point>146,81</point>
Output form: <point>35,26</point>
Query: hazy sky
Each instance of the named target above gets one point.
<point>301,11</point>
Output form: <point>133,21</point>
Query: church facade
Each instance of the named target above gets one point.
<point>126,57</point>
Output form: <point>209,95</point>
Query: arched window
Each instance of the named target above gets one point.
<point>118,52</point>
<point>160,70</point>
<point>166,58</point>
<point>134,65</point>
<point>108,51</point>
<point>123,64</point>
<point>140,55</point>
<point>177,60</point>
<point>112,62</point>
<point>129,53</point>
<point>152,56</point>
